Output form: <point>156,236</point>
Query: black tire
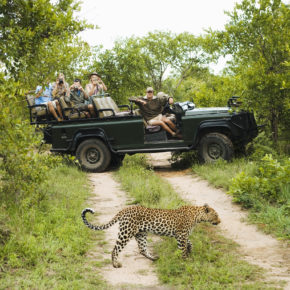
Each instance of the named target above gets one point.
<point>213,146</point>
<point>93,155</point>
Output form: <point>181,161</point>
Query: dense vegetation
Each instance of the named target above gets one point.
<point>40,38</point>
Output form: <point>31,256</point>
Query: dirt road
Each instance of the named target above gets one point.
<point>137,271</point>
<point>256,247</point>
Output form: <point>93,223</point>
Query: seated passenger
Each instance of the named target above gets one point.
<point>151,108</point>
<point>96,86</point>
<point>44,96</point>
<point>77,98</point>
<point>60,87</point>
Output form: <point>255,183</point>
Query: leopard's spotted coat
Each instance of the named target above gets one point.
<point>137,221</point>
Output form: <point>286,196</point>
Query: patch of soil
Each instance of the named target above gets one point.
<point>137,271</point>
<point>257,248</point>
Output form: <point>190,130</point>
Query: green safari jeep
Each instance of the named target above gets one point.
<point>98,142</point>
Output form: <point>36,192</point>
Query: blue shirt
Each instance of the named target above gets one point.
<point>46,95</point>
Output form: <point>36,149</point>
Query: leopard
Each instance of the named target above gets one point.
<point>137,221</point>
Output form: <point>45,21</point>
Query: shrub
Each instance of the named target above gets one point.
<point>269,183</point>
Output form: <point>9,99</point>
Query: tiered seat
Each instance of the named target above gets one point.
<point>106,106</point>
<point>69,112</point>
<point>38,113</point>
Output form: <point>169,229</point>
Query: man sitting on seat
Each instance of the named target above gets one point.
<point>44,96</point>
<point>151,108</point>
<point>77,98</point>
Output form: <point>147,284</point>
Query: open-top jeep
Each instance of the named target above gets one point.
<point>97,142</point>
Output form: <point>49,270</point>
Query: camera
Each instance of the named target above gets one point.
<point>60,81</point>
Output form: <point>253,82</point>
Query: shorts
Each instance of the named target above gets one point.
<point>42,107</point>
<point>157,118</point>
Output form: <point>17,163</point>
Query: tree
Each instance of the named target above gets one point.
<point>38,37</point>
<point>137,62</point>
<point>258,36</point>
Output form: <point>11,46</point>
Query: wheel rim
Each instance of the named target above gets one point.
<point>92,155</point>
<point>214,151</point>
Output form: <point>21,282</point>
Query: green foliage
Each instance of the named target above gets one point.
<point>212,264</point>
<point>137,62</point>
<point>257,37</point>
<point>261,146</point>
<point>221,173</point>
<point>270,177</point>
<point>21,169</point>
<point>38,38</point>
<point>45,246</point>
<point>263,187</point>
<point>267,194</point>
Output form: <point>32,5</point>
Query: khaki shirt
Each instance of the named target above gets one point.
<point>153,107</point>
<point>76,97</point>
<point>62,90</point>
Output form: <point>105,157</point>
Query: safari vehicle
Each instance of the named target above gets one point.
<point>99,141</point>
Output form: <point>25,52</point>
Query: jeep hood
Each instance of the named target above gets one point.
<point>202,111</point>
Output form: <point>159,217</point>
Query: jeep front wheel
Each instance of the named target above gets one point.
<point>93,155</point>
<point>213,146</point>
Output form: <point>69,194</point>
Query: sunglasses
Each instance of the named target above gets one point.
<point>149,91</point>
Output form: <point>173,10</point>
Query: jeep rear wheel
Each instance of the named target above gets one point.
<point>213,146</point>
<point>93,155</point>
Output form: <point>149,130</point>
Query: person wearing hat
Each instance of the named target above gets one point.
<point>151,108</point>
<point>78,96</point>
<point>96,86</point>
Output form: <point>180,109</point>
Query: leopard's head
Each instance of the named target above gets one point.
<point>210,215</point>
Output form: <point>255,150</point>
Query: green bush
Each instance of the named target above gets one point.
<point>271,177</point>
<point>267,195</point>
<point>261,146</point>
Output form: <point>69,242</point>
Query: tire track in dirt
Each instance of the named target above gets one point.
<point>257,248</point>
<point>137,271</point>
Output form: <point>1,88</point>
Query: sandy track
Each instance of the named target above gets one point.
<point>256,247</point>
<point>137,271</point>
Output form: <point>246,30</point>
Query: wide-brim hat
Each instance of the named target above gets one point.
<point>94,74</point>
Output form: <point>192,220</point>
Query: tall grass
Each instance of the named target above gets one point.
<point>45,246</point>
<point>213,264</point>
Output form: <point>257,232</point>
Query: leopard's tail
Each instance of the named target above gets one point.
<point>97,228</point>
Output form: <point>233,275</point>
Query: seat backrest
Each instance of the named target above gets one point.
<point>64,106</point>
<point>106,103</point>
<point>31,101</point>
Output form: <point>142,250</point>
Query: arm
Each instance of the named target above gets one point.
<point>138,101</point>
<point>38,91</point>
<point>54,91</point>
<point>102,85</point>
<point>90,88</point>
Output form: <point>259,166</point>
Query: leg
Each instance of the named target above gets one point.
<point>141,239</point>
<point>182,245</point>
<point>52,111</point>
<point>121,242</point>
<point>169,122</point>
<point>91,110</point>
<point>58,107</point>
<point>163,125</point>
